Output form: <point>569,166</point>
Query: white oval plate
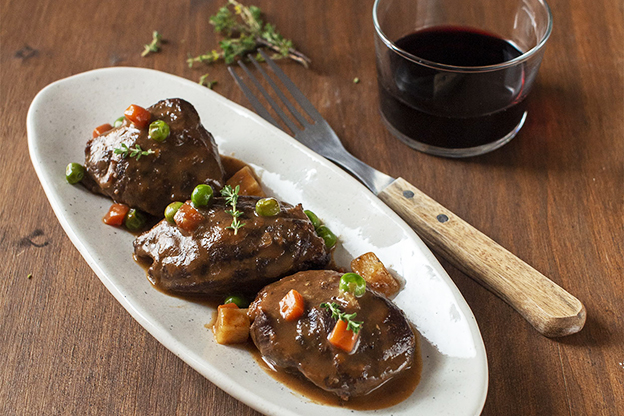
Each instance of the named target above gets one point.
<point>60,120</point>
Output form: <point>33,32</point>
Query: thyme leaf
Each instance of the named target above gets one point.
<point>154,46</point>
<point>203,80</point>
<point>334,308</point>
<point>231,198</point>
<point>135,151</point>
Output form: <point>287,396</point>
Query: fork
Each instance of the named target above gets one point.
<point>548,307</point>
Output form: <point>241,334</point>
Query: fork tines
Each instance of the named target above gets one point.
<point>290,86</point>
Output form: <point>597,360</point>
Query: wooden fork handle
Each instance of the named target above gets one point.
<point>550,309</point>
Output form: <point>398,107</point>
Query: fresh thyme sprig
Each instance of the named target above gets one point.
<point>154,46</point>
<point>334,308</point>
<point>137,152</point>
<point>231,197</point>
<point>244,32</point>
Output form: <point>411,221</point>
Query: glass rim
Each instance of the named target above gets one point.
<point>485,68</point>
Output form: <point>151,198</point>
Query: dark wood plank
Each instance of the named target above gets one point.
<point>554,196</point>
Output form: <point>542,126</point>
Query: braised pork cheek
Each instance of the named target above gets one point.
<point>385,349</point>
<point>188,157</point>
<point>212,260</point>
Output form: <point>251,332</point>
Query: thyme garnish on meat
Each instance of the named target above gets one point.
<point>334,308</point>
<point>231,197</point>
<point>154,46</point>
<point>244,32</point>
<point>137,152</point>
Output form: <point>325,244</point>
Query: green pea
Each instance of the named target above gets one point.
<point>158,130</point>
<point>239,300</point>
<point>74,172</point>
<point>135,220</point>
<point>119,121</point>
<point>326,234</point>
<point>201,196</point>
<point>171,210</point>
<point>313,218</point>
<point>267,207</point>
<point>354,283</point>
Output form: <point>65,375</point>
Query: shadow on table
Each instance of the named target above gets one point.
<point>554,136</point>
<point>594,334</point>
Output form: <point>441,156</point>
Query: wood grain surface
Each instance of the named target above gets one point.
<point>554,196</point>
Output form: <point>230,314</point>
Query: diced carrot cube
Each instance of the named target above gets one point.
<point>101,129</point>
<point>188,217</point>
<point>116,214</point>
<point>292,305</point>
<point>343,338</point>
<point>139,116</point>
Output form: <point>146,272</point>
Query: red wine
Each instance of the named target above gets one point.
<point>453,108</point>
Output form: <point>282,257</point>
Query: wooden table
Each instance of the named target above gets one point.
<point>554,196</point>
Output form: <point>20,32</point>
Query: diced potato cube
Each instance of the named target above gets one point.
<point>374,272</point>
<point>232,325</point>
<point>248,183</point>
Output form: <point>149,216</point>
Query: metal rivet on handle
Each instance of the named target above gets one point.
<point>408,194</point>
<point>442,218</point>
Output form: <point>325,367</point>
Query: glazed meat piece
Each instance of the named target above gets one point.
<point>386,345</point>
<point>185,159</point>
<point>212,260</point>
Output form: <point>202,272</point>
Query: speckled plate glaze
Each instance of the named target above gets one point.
<point>60,120</point>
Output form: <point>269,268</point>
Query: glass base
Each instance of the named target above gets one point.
<point>457,153</point>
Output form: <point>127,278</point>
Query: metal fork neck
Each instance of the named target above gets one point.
<point>374,180</point>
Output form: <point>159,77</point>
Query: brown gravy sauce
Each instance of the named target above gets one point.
<point>391,393</point>
<point>205,300</point>
<point>231,165</point>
